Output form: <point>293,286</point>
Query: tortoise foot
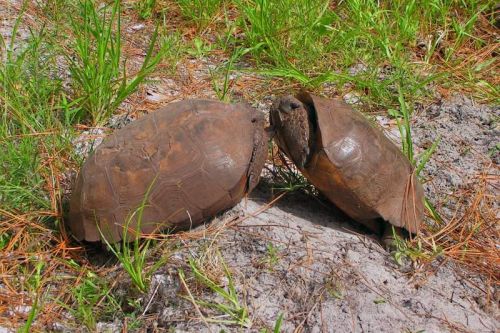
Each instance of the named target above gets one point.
<point>391,236</point>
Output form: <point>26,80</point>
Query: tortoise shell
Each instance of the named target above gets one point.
<point>183,164</point>
<point>349,160</point>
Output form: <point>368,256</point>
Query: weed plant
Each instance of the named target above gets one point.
<point>134,258</point>
<point>392,54</point>
<point>200,12</point>
<point>231,307</point>
<point>100,83</point>
<point>146,8</point>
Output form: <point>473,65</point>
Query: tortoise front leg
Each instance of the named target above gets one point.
<point>389,236</point>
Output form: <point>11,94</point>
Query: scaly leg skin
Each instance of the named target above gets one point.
<point>389,236</point>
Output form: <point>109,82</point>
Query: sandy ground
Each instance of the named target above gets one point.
<point>326,277</point>
<point>322,273</point>
<point>9,11</point>
<point>303,258</point>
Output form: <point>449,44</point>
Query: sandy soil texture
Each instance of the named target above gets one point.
<point>306,260</point>
<point>303,258</point>
<point>324,277</point>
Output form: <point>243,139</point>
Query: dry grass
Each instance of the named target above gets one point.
<point>470,238</point>
<point>472,235</point>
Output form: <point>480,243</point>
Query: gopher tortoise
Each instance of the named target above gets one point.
<point>350,162</point>
<point>183,164</point>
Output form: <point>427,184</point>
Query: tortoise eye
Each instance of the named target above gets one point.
<point>294,105</point>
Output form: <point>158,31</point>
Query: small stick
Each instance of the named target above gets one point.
<point>181,277</point>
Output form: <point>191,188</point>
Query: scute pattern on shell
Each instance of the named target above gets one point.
<point>194,158</point>
<point>355,166</point>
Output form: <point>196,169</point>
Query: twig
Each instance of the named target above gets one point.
<point>151,299</point>
<point>191,298</point>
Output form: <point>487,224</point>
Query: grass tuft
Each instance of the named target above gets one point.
<point>99,80</point>
<point>93,301</point>
<point>146,8</point>
<point>200,12</point>
<point>390,54</point>
<point>231,307</point>
<point>134,259</point>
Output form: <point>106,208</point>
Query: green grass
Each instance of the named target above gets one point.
<point>146,8</point>
<point>404,50</point>
<point>37,113</point>
<point>93,301</point>
<point>236,313</point>
<point>34,283</point>
<point>223,90</point>
<point>286,34</point>
<point>312,43</point>
<point>277,325</point>
<point>100,82</point>
<point>200,12</point>
<point>403,117</point>
<point>134,257</point>
<point>30,124</point>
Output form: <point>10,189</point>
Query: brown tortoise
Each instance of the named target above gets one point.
<point>188,161</point>
<point>349,161</point>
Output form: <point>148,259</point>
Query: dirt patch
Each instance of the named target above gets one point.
<point>9,12</point>
<point>469,146</point>
<point>322,275</point>
<point>306,260</point>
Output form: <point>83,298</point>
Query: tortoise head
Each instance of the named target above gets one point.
<point>282,110</point>
<point>294,131</point>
